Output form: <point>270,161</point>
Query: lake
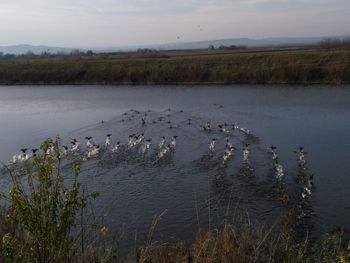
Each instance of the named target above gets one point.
<point>193,187</point>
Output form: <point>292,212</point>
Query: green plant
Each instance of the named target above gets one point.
<point>42,209</point>
<point>335,247</point>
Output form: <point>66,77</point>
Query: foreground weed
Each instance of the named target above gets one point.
<point>42,209</point>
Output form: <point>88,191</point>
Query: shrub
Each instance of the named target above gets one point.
<point>42,209</point>
<point>335,247</point>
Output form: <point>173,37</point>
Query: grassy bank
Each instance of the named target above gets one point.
<point>253,66</point>
<point>45,221</point>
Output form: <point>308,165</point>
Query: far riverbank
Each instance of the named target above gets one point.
<point>275,66</point>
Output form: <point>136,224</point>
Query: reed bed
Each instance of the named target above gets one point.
<point>305,66</point>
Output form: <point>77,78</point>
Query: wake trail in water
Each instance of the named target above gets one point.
<point>173,148</point>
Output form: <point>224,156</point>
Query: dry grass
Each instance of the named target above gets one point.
<point>238,241</point>
<point>269,67</point>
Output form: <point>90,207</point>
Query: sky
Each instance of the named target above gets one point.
<point>111,23</point>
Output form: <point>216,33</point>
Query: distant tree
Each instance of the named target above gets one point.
<point>89,53</point>
<point>61,53</point>
<point>147,51</point>
<point>75,52</point>
<point>335,43</point>
<point>29,54</point>
<point>242,47</point>
<point>9,56</point>
<point>232,47</point>
<point>211,47</point>
<point>45,54</point>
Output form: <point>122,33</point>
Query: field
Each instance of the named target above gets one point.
<point>283,65</point>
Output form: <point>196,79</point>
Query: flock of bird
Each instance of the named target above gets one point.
<point>137,144</point>
<point>92,149</point>
<point>304,177</point>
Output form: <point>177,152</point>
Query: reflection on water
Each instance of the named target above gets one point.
<point>194,184</point>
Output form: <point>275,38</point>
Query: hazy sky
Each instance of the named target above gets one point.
<point>92,23</point>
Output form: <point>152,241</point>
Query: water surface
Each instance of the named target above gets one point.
<point>192,189</point>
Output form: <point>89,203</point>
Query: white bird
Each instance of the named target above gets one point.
<point>227,154</point>
<point>135,140</point>
<point>228,144</point>
<point>131,140</point>
<point>164,151</point>
<point>207,127</point>
<point>306,192</point>
<point>212,145</point>
<point>310,182</point>
<point>244,130</point>
<point>162,143</point>
<point>93,151</point>
<point>246,153</point>
<point>224,130</point>
<point>274,156</point>
<point>301,156</point>
<point>65,150</point>
<point>50,149</point>
<point>139,139</point>
<point>75,146</point>
<point>108,140</point>
<point>234,126</point>
<point>23,156</point>
<point>116,147</point>
<point>89,144</point>
<point>173,142</point>
<point>272,151</point>
<point>146,146</point>
<point>15,158</point>
<point>279,171</point>
<point>34,151</point>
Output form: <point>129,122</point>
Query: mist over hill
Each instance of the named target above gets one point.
<point>242,42</point>
<point>248,42</point>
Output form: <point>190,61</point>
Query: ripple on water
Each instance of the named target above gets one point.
<point>190,182</point>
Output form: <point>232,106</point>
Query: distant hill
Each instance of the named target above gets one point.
<point>218,42</point>
<point>22,49</point>
<point>242,42</point>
